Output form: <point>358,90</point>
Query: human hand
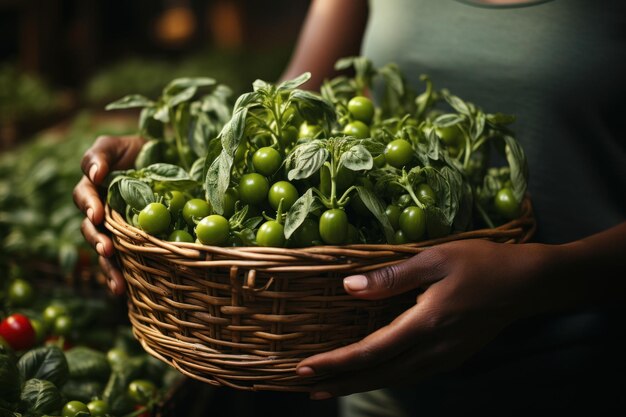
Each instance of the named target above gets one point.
<point>107,154</point>
<point>471,291</point>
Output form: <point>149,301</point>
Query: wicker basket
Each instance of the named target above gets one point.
<point>244,317</point>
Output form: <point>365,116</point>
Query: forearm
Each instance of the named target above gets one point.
<point>333,29</point>
<point>588,272</point>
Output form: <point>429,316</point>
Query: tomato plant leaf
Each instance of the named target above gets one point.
<point>313,106</point>
<point>150,127</point>
<point>217,181</point>
<point>306,159</point>
<point>166,172</point>
<point>233,131</point>
<point>197,170</point>
<point>519,166</point>
<point>151,152</point>
<point>299,211</point>
<point>457,104</point>
<point>182,84</point>
<point>496,119</point>
<point>448,119</point>
<point>294,83</point>
<point>46,362</point>
<point>478,126</point>
<point>356,158</point>
<point>40,397</point>
<point>135,193</point>
<point>377,208</point>
<point>10,378</point>
<point>129,102</point>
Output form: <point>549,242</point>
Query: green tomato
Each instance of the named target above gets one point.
<point>400,238</point>
<point>271,233</point>
<point>63,325</point>
<point>289,136</point>
<point>117,357</point>
<point>213,230</point>
<point>240,152</point>
<point>333,226</point>
<point>261,141</point>
<point>195,209</point>
<point>405,200</point>
<point>175,201</point>
<point>253,188</point>
<point>398,153</point>
<point>393,214</point>
<point>506,204</point>
<point>230,200</point>
<point>98,408</point>
<point>412,222</point>
<point>51,313</point>
<point>180,236</point>
<point>75,409</point>
<point>308,130</point>
<point>266,161</point>
<point>358,129</point>
<point>282,190</point>
<point>142,391</point>
<point>380,161</point>
<point>40,330</point>
<point>450,135</point>
<point>426,194</point>
<point>308,234</point>
<point>154,219</point>
<point>361,108</point>
<point>20,293</point>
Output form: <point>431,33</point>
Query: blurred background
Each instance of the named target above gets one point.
<point>61,56</point>
<point>61,62</point>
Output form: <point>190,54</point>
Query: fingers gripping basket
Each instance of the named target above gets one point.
<point>244,317</point>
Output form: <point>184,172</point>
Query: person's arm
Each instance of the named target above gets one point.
<point>471,291</point>
<point>332,29</point>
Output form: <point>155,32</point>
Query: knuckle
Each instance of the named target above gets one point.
<point>386,278</point>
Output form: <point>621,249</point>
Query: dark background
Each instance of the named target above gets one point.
<point>85,53</point>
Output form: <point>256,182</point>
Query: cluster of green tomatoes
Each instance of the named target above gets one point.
<point>265,195</point>
<point>180,217</point>
<point>292,168</point>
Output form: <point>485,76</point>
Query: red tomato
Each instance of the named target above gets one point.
<point>18,332</point>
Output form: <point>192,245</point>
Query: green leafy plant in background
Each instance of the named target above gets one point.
<point>38,218</point>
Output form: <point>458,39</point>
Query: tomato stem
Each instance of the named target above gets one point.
<point>484,215</point>
<point>179,141</point>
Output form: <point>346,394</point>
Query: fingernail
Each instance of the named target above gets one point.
<point>113,286</point>
<point>305,371</point>
<point>321,395</point>
<point>90,214</point>
<point>356,282</point>
<point>92,172</point>
<point>100,248</point>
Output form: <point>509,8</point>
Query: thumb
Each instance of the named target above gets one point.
<point>418,271</point>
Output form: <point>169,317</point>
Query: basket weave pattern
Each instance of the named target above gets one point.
<point>244,317</point>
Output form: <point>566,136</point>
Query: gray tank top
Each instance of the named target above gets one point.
<point>559,66</point>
